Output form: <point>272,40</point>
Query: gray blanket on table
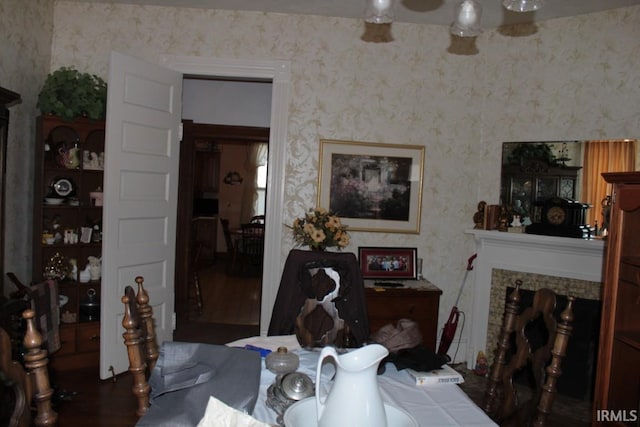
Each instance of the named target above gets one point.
<point>186,374</point>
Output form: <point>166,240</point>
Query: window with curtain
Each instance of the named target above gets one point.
<point>255,189</point>
<point>261,190</point>
<point>604,156</point>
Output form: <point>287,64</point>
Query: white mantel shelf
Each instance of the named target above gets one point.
<point>529,253</point>
<point>535,242</point>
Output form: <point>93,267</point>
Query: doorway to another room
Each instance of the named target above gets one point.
<point>223,171</point>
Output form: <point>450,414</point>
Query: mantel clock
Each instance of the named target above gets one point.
<point>558,216</point>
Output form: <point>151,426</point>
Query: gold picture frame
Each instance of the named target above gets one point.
<point>372,186</point>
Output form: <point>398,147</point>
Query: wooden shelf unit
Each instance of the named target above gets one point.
<point>79,333</point>
<point>536,181</point>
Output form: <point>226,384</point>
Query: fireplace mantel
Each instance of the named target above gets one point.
<point>528,253</point>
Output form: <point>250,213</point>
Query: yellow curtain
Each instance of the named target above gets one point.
<point>599,157</point>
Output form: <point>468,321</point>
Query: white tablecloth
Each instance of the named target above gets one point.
<point>437,405</point>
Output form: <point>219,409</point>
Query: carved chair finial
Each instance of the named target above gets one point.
<point>35,360</point>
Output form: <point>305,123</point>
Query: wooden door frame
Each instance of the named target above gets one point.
<point>7,99</point>
<point>190,133</point>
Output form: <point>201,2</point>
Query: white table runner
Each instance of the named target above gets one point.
<point>433,405</point>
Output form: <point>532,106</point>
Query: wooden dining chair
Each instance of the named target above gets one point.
<point>321,299</point>
<point>23,386</point>
<point>251,248</point>
<point>516,352</point>
<point>257,219</point>
<point>140,339</point>
<point>43,298</point>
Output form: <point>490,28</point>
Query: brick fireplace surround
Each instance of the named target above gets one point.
<point>567,266</point>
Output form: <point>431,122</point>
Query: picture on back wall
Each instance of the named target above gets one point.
<point>372,187</point>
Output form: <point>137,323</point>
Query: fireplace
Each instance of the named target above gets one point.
<point>578,366</point>
<point>565,265</point>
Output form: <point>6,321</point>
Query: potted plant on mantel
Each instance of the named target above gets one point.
<point>527,152</point>
<point>68,93</point>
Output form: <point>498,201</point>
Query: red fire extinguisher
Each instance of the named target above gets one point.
<point>449,330</point>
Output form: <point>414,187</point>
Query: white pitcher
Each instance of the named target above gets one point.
<point>354,399</point>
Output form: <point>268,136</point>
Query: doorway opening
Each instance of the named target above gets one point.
<point>218,183</point>
<point>278,72</point>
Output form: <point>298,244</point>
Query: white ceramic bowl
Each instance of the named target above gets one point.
<point>304,414</point>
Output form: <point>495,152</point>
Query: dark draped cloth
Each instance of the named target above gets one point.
<point>295,288</point>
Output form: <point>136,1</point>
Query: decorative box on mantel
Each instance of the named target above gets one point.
<point>561,257</point>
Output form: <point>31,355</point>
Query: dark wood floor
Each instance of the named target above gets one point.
<point>567,411</point>
<point>84,400</point>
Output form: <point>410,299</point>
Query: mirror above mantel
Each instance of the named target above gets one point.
<point>536,170</point>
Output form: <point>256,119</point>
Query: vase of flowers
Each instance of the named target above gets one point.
<point>320,229</point>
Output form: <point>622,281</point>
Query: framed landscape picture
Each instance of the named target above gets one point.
<point>387,263</point>
<point>372,186</point>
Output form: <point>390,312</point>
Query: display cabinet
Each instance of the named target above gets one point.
<point>207,173</point>
<point>526,183</point>
<point>617,392</point>
<point>67,229</point>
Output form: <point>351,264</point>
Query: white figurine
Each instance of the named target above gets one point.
<point>94,162</point>
<point>73,275</point>
<point>95,267</point>
<point>85,275</point>
<point>70,237</point>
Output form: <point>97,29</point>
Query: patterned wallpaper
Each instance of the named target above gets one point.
<point>573,78</point>
<point>565,81</point>
<point>26,28</point>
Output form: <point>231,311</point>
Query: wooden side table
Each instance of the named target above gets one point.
<point>418,300</point>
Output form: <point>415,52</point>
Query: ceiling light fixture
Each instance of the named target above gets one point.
<point>522,5</point>
<point>380,11</point>
<point>466,21</point>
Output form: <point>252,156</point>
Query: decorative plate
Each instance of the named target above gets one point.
<point>63,186</point>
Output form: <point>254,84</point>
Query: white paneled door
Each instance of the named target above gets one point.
<point>140,198</point>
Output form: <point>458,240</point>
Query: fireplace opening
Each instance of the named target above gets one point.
<point>579,365</point>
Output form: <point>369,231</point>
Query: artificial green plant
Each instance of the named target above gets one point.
<point>69,93</point>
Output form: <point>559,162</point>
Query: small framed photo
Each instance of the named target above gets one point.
<point>85,234</point>
<point>388,263</point>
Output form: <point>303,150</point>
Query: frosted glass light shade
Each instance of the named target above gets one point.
<point>379,11</point>
<point>466,21</point>
<point>522,5</point>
